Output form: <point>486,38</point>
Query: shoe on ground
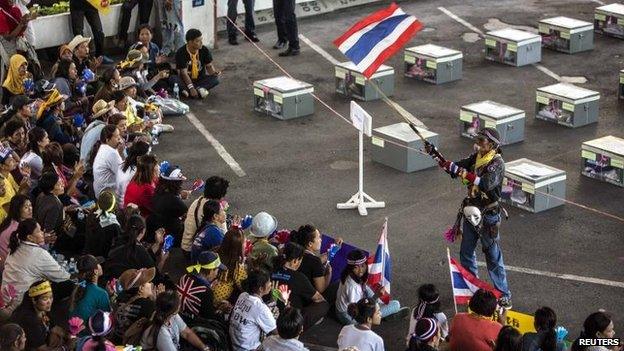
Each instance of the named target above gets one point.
<point>232,41</point>
<point>252,37</point>
<point>289,52</point>
<point>401,314</point>
<point>505,303</point>
<point>107,60</point>
<point>203,92</point>
<point>279,45</point>
<point>185,93</point>
<point>164,128</point>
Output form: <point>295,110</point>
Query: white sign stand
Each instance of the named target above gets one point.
<point>360,200</point>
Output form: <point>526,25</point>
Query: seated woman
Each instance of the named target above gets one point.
<point>167,327</point>
<point>66,80</point>
<point>251,317</point>
<point>20,209</point>
<point>426,335</point>
<point>100,325</point>
<point>314,265</point>
<point>168,204</point>
<point>128,168</point>
<point>428,307</point>
<point>140,190</point>
<point>157,61</point>
<point>195,289</point>
<point>49,210</point>
<point>211,235</point>
<point>12,337</point>
<point>28,262</point>
<point>366,313</point>
<point>136,300</point>
<point>15,136</point>
<point>303,295</point>
<point>50,118</point>
<point>134,66</point>
<point>476,330</point>
<point>110,79</point>
<point>103,229</point>
<point>16,75</point>
<point>87,297</point>
<point>54,161</point>
<point>37,141</point>
<point>232,254</point>
<point>33,314</point>
<point>545,338</point>
<point>353,288</point>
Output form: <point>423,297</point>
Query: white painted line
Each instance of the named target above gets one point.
<point>572,277</point>
<point>460,20</point>
<point>598,2</point>
<point>216,145</point>
<point>548,72</point>
<point>318,49</point>
<point>403,112</point>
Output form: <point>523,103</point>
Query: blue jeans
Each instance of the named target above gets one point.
<point>490,246</point>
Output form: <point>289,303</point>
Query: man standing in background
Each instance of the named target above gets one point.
<point>250,25</point>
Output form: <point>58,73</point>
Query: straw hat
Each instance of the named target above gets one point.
<point>101,107</point>
<point>77,40</point>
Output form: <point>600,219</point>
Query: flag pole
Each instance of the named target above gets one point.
<point>383,253</point>
<point>448,260</point>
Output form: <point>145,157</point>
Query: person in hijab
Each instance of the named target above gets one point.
<point>16,76</point>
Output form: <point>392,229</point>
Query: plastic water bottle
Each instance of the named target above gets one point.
<point>154,133</point>
<point>72,266</point>
<point>176,91</point>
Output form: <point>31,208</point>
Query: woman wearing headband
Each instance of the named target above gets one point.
<point>100,325</point>
<point>88,297</point>
<point>33,314</point>
<point>353,288</point>
<point>428,307</point>
<point>103,228</point>
<point>426,335</point>
<point>366,313</point>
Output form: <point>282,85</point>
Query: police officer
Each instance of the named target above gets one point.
<point>482,172</point>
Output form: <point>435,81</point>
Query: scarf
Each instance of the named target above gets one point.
<point>14,82</point>
<point>194,64</point>
<point>52,100</point>
<point>484,160</point>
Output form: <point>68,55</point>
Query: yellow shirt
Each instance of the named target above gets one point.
<point>131,116</point>
<point>223,289</point>
<point>10,189</point>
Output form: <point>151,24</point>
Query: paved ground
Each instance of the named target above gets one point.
<point>298,170</point>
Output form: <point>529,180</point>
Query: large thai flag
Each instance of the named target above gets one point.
<point>370,42</point>
<point>465,284</point>
<point>380,265</point>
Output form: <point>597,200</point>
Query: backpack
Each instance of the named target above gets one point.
<point>134,334</point>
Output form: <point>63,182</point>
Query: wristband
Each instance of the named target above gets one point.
<point>472,178</point>
<point>190,86</point>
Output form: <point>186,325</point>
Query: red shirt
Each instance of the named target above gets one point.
<point>470,332</point>
<point>140,195</point>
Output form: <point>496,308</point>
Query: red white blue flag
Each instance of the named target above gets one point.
<point>465,284</point>
<point>373,40</point>
<point>380,265</point>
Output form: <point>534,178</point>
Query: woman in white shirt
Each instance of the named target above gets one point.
<point>353,288</point>
<point>106,159</point>
<point>428,307</point>
<point>366,313</point>
<point>128,168</point>
<point>250,317</point>
<point>167,326</point>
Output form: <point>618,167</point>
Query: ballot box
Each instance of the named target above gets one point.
<point>398,146</point>
<point>283,97</point>
<point>603,159</point>
<point>433,64</point>
<point>566,34</point>
<point>507,120</point>
<point>609,20</point>
<point>351,82</point>
<point>513,47</point>
<point>567,105</point>
<point>533,186</point>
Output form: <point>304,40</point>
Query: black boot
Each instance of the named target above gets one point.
<point>279,45</point>
<point>289,52</point>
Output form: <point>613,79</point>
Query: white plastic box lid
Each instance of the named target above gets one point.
<point>383,70</point>
<point>435,51</point>
<point>535,172</point>
<point>518,36</point>
<point>284,84</point>
<point>569,91</point>
<point>615,8</point>
<point>492,109</point>
<point>403,132</point>
<point>567,22</point>
<point>608,143</point>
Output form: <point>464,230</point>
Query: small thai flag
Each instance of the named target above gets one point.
<point>380,265</point>
<point>465,284</point>
<point>377,37</point>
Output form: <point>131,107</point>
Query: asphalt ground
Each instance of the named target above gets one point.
<point>299,169</point>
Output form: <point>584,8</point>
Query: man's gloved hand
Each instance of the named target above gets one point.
<point>430,148</point>
<point>451,167</point>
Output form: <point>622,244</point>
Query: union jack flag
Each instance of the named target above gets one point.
<point>190,290</point>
